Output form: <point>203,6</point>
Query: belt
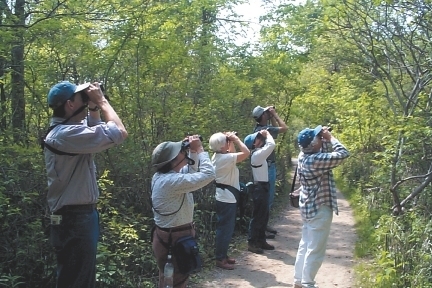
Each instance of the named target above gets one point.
<point>260,182</point>
<point>76,208</point>
<point>177,229</point>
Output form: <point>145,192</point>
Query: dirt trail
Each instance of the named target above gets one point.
<point>276,268</point>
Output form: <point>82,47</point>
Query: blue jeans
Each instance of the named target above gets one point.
<point>272,183</point>
<point>260,215</point>
<point>75,242</point>
<point>226,214</point>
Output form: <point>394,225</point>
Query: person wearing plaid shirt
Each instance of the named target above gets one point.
<point>320,153</point>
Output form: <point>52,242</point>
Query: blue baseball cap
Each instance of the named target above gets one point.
<point>63,91</point>
<point>306,136</point>
<point>250,139</point>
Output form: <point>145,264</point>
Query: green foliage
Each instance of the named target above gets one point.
<point>167,72</point>
<point>22,218</point>
<point>403,253</point>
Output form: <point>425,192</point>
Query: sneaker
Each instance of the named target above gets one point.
<point>271,229</point>
<point>255,249</point>
<point>230,260</point>
<point>224,264</point>
<point>267,246</point>
<point>270,236</point>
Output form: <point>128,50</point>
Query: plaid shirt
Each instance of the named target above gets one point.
<point>316,178</point>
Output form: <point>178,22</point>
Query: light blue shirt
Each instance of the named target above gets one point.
<point>171,191</point>
<point>72,179</point>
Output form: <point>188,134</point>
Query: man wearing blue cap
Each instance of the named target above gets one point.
<point>261,145</point>
<point>263,116</point>
<point>320,153</point>
<point>72,139</point>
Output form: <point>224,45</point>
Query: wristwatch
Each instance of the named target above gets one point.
<point>96,108</point>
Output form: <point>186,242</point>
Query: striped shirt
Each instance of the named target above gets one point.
<point>316,177</point>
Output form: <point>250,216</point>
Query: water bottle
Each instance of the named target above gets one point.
<point>168,273</point>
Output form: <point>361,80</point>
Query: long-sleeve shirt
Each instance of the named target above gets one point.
<point>316,177</point>
<point>259,158</point>
<point>170,191</point>
<point>274,131</point>
<point>72,179</point>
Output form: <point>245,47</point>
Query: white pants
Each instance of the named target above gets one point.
<point>312,247</point>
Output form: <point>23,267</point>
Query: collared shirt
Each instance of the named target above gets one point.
<point>274,131</point>
<point>72,179</point>
<point>316,178</point>
<point>226,173</point>
<point>170,191</point>
<point>258,158</point>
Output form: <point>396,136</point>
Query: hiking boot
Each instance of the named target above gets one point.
<point>230,260</point>
<point>270,236</point>
<point>271,229</point>
<point>267,246</point>
<point>255,249</point>
<point>224,264</point>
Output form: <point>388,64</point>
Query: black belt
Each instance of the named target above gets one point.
<point>260,182</point>
<point>76,208</point>
<point>177,229</point>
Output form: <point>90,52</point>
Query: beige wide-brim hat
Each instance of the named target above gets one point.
<point>165,152</point>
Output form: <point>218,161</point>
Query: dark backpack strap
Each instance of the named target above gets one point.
<point>254,166</point>
<point>58,152</point>
<point>168,245</point>
<point>232,189</point>
<point>167,214</point>
<point>294,180</point>
<point>52,149</point>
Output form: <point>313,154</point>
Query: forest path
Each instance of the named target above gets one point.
<point>276,268</point>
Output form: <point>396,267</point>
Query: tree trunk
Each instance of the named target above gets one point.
<point>17,74</point>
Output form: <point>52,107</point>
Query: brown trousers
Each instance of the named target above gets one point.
<point>161,253</point>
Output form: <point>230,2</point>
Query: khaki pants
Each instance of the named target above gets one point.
<point>161,252</point>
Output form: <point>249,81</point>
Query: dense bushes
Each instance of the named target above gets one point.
<point>124,256</point>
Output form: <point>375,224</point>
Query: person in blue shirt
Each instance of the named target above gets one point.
<point>276,126</point>
<point>75,134</point>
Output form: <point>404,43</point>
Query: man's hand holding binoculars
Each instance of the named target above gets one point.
<point>195,144</point>
<point>325,133</point>
<point>232,136</point>
<point>264,133</point>
<point>271,110</point>
<point>96,96</point>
